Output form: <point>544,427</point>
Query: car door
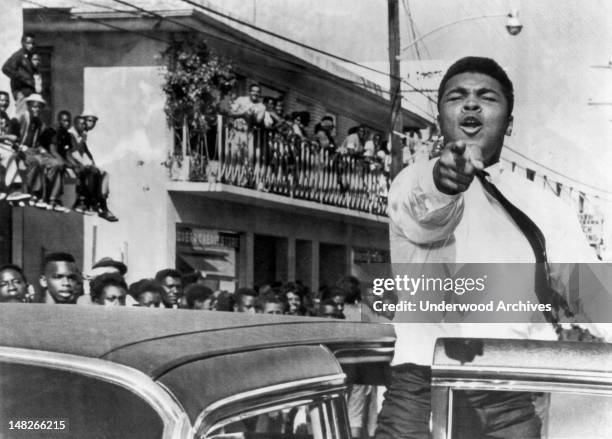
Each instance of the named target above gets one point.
<point>554,389</point>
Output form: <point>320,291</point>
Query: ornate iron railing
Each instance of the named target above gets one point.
<point>264,160</point>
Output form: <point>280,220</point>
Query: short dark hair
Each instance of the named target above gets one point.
<point>27,35</point>
<point>143,285</point>
<point>245,292</point>
<point>225,302</point>
<point>96,286</point>
<point>58,257</point>
<point>486,66</point>
<point>167,272</point>
<point>353,130</point>
<point>351,288</point>
<point>5,93</point>
<point>196,292</point>
<point>15,268</point>
<point>64,113</point>
<point>254,84</point>
<point>331,292</point>
<point>77,117</point>
<point>327,118</point>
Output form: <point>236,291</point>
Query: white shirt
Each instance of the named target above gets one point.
<point>472,227</point>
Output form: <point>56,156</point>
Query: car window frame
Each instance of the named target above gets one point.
<point>329,390</point>
<point>175,420</point>
<point>448,378</point>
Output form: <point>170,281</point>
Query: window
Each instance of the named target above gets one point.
<point>88,406</point>
<point>303,419</point>
<point>556,415</point>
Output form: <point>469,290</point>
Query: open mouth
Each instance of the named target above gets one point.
<point>470,125</point>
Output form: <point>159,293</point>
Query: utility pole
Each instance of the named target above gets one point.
<point>395,117</point>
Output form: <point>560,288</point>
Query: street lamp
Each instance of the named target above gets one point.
<point>513,25</point>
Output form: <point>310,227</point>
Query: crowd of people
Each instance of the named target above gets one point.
<point>61,282</point>
<point>35,158</point>
<point>252,112</point>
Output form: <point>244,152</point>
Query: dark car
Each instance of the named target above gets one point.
<point>95,372</point>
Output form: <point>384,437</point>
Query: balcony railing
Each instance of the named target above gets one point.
<point>264,160</point>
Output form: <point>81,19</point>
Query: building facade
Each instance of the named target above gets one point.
<point>108,62</point>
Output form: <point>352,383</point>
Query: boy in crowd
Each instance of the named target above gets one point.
<point>245,300</point>
<point>9,134</point>
<point>36,161</point>
<point>92,187</point>
<point>21,73</point>
<point>13,285</point>
<point>147,293</point>
<point>38,84</point>
<point>170,280</point>
<point>61,280</point>
<point>108,289</point>
<point>198,296</point>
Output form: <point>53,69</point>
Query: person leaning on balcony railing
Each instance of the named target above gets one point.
<point>246,112</point>
<point>301,119</point>
<point>324,134</point>
<point>250,108</point>
<point>354,142</point>
<point>371,146</point>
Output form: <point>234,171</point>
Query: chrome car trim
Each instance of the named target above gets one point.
<point>290,403</point>
<point>521,374</point>
<point>259,411</point>
<point>337,380</point>
<point>348,355</point>
<point>176,421</point>
<point>522,386</point>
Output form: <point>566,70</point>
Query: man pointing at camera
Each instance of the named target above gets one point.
<point>462,207</point>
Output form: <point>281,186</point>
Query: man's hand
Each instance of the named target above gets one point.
<point>455,169</point>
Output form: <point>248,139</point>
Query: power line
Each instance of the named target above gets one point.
<point>125,3</point>
<point>297,43</point>
<point>586,194</point>
<point>191,28</point>
<point>558,173</point>
<point>161,17</point>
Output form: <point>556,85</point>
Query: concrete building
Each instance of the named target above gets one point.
<point>106,58</point>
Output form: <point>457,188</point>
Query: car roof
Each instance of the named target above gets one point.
<point>155,341</point>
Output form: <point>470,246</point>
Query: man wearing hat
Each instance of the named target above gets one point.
<point>90,119</point>
<point>108,265</point>
<point>36,161</point>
